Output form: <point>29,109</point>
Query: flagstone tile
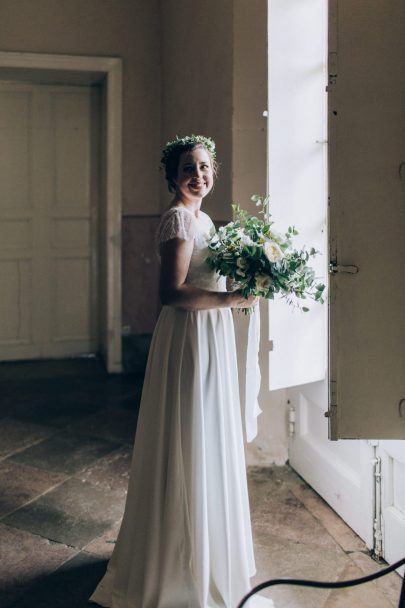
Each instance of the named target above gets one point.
<point>21,371</point>
<point>103,546</point>
<point>361,596</point>
<point>20,483</point>
<point>115,424</point>
<point>68,587</point>
<point>274,507</point>
<point>12,400</point>
<point>24,558</point>
<point>74,513</point>
<point>336,527</point>
<point>389,585</point>
<point>16,435</point>
<point>57,410</point>
<point>110,472</point>
<point>65,452</point>
<point>278,557</point>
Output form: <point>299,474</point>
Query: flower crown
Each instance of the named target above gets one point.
<point>187,141</point>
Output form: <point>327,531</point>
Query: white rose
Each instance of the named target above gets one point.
<point>246,240</point>
<point>277,236</point>
<point>263,282</point>
<point>272,251</point>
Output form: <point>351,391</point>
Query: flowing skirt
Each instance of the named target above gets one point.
<point>185,540</point>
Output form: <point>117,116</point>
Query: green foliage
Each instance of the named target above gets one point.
<point>184,142</point>
<point>261,261</point>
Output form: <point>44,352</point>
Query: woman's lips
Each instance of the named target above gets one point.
<point>197,185</point>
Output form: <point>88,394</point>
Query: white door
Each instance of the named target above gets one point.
<point>343,472</point>
<point>48,218</point>
<point>392,455</point>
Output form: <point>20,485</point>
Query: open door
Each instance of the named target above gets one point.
<point>366,217</point>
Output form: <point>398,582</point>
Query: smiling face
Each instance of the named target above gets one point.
<point>194,175</point>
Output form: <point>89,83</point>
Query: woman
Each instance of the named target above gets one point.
<point>185,540</point>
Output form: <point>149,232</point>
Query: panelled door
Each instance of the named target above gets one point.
<point>48,220</point>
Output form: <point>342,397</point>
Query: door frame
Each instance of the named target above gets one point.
<point>106,72</point>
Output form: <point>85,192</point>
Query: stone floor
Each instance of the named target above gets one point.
<point>65,444</point>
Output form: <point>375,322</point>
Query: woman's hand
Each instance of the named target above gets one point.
<point>239,301</point>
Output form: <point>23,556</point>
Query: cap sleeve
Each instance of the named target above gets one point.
<point>176,223</point>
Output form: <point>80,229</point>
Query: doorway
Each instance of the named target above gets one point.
<point>49,204</point>
<point>362,479</point>
<point>60,218</point>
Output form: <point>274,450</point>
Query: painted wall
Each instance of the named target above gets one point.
<point>197,52</point>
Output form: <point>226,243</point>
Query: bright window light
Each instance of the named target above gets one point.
<point>297,152</point>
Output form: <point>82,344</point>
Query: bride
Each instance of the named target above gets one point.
<point>185,539</point>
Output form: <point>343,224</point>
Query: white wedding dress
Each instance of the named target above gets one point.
<point>185,539</point>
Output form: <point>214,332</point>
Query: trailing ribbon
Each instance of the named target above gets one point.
<point>253,376</point>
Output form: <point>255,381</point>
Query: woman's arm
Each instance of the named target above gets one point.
<point>174,291</point>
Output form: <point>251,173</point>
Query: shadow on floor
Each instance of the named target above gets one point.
<point>68,587</point>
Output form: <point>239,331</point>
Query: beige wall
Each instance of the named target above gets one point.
<point>197,51</point>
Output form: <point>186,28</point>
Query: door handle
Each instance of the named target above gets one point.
<point>335,268</point>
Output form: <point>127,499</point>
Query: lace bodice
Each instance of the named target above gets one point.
<point>181,223</point>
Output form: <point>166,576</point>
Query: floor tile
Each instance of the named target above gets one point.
<point>274,506</point>
<point>22,371</point>
<point>114,423</point>
<point>25,557</point>
<point>65,452</point>
<point>110,472</point>
<point>280,557</point>
<point>16,435</point>
<point>68,587</point>
<point>74,513</point>
<point>336,527</point>
<point>389,585</point>
<point>57,410</point>
<point>12,401</point>
<point>20,484</point>
<point>361,596</point>
<point>103,546</point>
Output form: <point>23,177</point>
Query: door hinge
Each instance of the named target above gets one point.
<point>332,69</point>
<point>378,529</point>
<point>332,399</point>
<point>291,420</point>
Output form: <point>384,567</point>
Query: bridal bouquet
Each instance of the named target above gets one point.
<point>262,262</point>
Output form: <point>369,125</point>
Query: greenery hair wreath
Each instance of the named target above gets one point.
<point>187,142</point>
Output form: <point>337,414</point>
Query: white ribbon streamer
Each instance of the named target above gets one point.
<point>253,376</point>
